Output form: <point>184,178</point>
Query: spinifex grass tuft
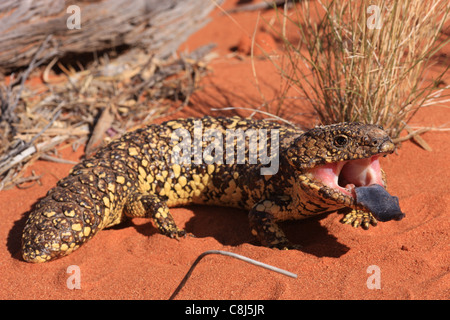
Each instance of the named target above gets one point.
<point>353,67</point>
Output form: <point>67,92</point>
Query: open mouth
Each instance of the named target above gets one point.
<point>345,176</point>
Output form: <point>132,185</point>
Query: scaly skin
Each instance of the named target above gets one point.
<point>135,177</point>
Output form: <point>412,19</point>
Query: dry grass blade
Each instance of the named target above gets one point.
<point>363,60</point>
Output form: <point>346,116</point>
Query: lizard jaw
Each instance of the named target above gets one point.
<point>344,176</point>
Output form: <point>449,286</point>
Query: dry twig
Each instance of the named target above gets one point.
<point>229,254</point>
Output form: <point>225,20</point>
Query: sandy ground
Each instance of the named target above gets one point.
<point>134,261</point>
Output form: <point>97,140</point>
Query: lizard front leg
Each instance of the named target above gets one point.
<point>358,218</point>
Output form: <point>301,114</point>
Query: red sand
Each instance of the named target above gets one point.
<point>134,261</point>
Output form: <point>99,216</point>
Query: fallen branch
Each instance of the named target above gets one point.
<point>158,26</point>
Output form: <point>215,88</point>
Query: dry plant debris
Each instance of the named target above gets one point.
<point>110,96</point>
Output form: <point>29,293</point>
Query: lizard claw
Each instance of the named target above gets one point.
<point>358,218</point>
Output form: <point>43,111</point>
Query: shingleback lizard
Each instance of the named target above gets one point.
<point>135,176</point>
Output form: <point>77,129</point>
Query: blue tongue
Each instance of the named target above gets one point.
<point>381,204</point>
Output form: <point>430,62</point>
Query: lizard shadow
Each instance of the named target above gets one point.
<point>230,226</point>
<point>14,239</point>
<point>314,237</point>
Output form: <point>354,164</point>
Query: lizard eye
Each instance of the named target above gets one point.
<point>340,140</point>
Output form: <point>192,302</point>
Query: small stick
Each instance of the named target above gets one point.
<point>55,116</point>
<point>415,136</point>
<point>33,64</point>
<point>229,254</point>
<point>29,151</point>
<point>257,6</point>
<point>54,159</point>
<point>25,148</point>
<point>257,111</point>
<point>21,181</point>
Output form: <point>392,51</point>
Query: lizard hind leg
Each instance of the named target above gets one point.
<point>150,206</point>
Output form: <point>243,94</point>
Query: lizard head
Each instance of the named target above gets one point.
<point>334,159</point>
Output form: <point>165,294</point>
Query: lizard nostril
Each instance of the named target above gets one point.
<point>375,142</point>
